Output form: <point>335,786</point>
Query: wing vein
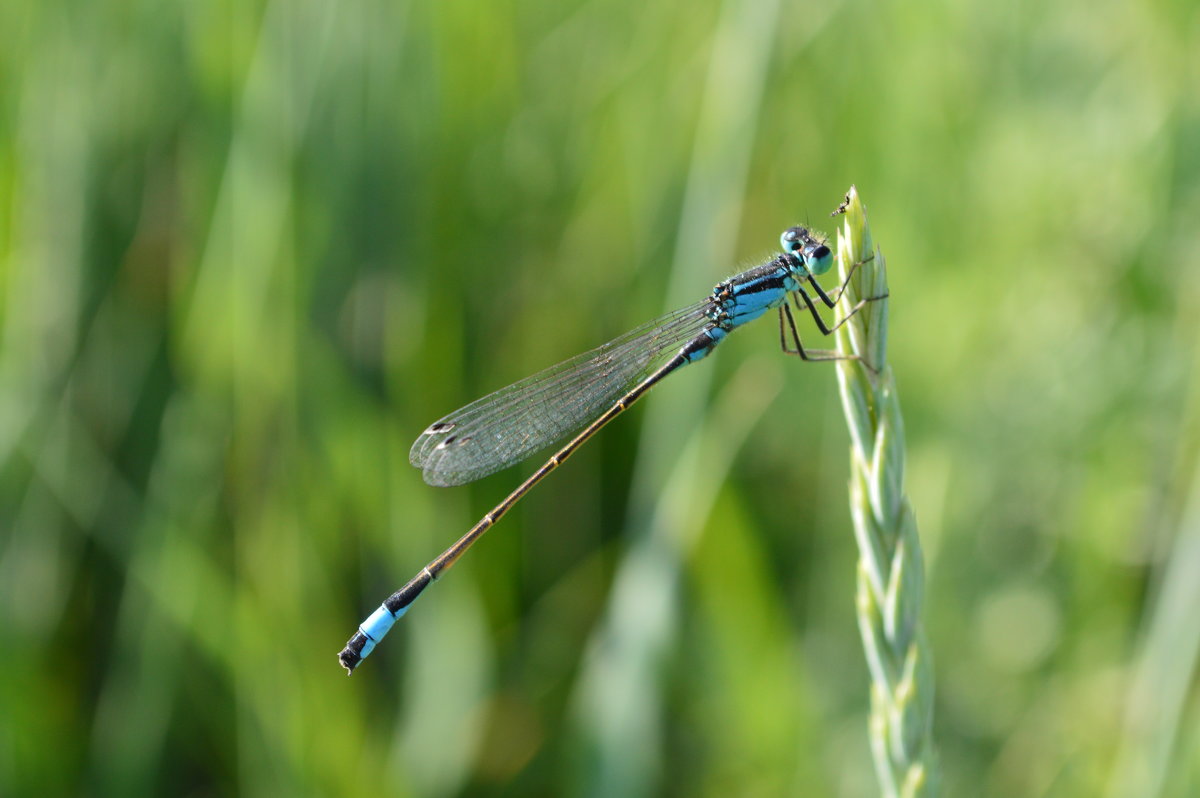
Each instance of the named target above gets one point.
<point>508,425</point>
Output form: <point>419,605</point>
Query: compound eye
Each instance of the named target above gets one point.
<point>819,259</point>
<point>793,239</point>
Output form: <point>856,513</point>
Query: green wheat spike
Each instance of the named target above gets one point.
<point>891,577</point>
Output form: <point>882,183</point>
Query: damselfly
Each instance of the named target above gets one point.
<point>584,393</point>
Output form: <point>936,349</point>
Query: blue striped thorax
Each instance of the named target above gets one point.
<point>746,296</point>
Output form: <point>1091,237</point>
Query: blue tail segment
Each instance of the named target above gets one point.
<point>379,623</point>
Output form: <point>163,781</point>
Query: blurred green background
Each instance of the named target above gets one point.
<point>248,251</point>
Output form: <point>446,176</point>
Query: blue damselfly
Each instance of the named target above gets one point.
<point>584,393</point>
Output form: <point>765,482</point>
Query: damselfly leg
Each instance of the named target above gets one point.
<point>785,311</point>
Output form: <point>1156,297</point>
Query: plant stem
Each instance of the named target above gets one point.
<point>891,577</point>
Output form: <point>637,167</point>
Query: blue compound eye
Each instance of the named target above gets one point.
<point>794,239</point>
<point>818,259</point>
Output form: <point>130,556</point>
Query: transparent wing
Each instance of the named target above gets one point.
<point>504,427</point>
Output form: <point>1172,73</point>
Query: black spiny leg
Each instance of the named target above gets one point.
<point>786,311</point>
<point>812,309</point>
<point>812,355</point>
<point>830,302</point>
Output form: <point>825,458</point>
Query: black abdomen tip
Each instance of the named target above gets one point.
<point>351,655</point>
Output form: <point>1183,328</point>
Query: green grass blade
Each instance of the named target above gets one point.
<point>891,576</point>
